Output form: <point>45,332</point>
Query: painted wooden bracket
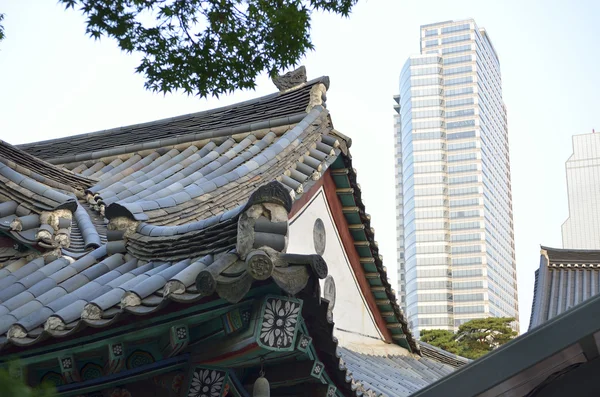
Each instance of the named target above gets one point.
<point>317,369</point>
<point>304,342</point>
<point>277,328</point>
<point>179,337</point>
<point>236,320</point>
<point>68,368</point>
<point>331,390</point>
<point>204,381</point>
<point>116,358</point>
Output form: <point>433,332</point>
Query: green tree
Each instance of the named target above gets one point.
<point>11,386</point>
<point>441,338</point>
<point>1,27</point>
<point>481,336</point>
<point>474,338</point>
<point>207,47</point>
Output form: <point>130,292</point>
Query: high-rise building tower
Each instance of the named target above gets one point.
<point>582,229</point>
<point>456,254</point>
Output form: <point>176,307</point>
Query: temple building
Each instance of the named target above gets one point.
<point>565,278</point>
<point>221,253</point>
<point>559,354</point>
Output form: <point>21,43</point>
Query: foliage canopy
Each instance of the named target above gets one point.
<point>474,338</point>
<point>11,386</point>
<point>206,47</point>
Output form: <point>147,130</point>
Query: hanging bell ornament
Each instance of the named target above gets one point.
<point>261,387</point>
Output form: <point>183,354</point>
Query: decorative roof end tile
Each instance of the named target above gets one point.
<point>290,79</point>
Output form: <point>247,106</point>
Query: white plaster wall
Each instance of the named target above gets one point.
<point>354,321</point>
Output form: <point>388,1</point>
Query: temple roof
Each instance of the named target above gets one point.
<point>565,278</point>
<point>442,356</point>
<point>376,374</point>
<point>256,114</point>
<point>391,375</point>
<point>559,256</point>
<point>123,222</point>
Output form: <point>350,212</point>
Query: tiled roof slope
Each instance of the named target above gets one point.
<point>148,218</point>
<point>442,356</point>
<point>390,376</point>
<point>565,278</point>
<point>31,188</point>
<point>365,375</point>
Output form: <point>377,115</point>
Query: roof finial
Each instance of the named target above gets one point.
<point>290,79</point>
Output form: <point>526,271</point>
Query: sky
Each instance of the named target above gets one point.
<point>55,81</point>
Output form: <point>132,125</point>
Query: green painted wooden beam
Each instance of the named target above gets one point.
<point>144,328</point>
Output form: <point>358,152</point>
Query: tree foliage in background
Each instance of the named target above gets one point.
<point>1,27</point>
<point>207,47</point>
<point>11,386</point>
<point>474,338</point>
<point>441,338</point>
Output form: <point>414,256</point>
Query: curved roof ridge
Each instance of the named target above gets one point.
<point>571,255</point>
<point>134,137</point>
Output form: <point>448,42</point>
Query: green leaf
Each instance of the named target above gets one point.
<point>12,386</point>
<point>1,27</point>
<point>207,47</point>
<point>474,338</point>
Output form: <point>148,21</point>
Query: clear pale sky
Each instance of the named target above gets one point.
<point>55,81</point>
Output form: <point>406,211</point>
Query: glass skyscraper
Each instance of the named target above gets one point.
<point>582,229</point>
<point>456,256</point>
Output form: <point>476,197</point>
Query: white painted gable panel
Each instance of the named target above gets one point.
<point>354,321</point>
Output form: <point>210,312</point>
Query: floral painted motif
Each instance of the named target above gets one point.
<point>279,323</point>
<point>139,358</point>
<point>181,333</point>
<point>304,342</point>
<point>206,383</point>
<point>246,316</point>
<point>91,371</point>
<point>67,363</point>
<point>317,369</point>
<point>117,349</point>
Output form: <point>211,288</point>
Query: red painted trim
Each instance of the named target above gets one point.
<point>341,224</point>
<point>247,349</point>
<point>305,198</point>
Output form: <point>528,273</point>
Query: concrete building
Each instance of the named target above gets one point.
<point>454,204</point>
<point>582,229</point>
